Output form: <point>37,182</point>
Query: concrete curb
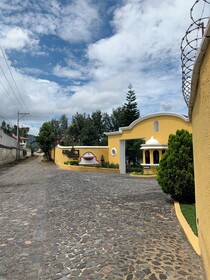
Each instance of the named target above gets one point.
<point>193,239</point>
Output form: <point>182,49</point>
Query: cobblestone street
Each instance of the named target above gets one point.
<point>57,224</point>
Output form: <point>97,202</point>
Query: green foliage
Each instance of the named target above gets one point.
<point>175,172</point>
<point>24,153</point>
<point>133,152</point>
<point>88,129</point>
<point>106,164</point>
<point>72,162</point>
<point>127,113</point>
<point>131,111</point>
<point>137,169</point>
<point>10,130</point>
<point>189,212</point>
<point>117,118</point>
<point>46,138</point>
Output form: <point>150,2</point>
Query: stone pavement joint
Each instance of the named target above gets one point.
<point>57,224</point>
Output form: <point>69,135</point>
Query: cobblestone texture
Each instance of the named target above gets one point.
<point>63,225</point>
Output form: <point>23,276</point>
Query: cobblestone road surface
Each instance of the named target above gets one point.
<point>58,224</point>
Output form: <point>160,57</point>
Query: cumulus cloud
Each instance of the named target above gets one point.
<point>72,22</point>
<point>142,49</point>
<point>16,38</point>
<point>66,72</point>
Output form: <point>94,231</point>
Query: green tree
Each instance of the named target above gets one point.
<point>130,108</point>
<point>175,172</point>
<point>117,118</point>
<point>46,138</point>
<point>133,152</point>
<point>89,135</point>
<point>63,125</point>
<point>55,124</point>
<point>23,131</point>
<point>74,132</point>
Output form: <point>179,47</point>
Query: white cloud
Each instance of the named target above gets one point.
<point>66,72</point>
<point>74,22</point>
<point>16,38</point>
<point>144,50</point>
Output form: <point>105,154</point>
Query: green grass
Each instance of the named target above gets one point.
<point>188,210</point>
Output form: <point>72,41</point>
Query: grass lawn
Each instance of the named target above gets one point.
<point>188,210</point>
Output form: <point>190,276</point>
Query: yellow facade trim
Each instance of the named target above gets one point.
<point>193,239</point>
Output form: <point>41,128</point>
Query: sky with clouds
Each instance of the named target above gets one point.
<point>69,56</point>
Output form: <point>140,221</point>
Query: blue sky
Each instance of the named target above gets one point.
<point>81,55</point>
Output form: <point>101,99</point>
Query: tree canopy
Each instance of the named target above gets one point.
<point>175,172</point>
<point>89,129</point>
<point>10,130</point>
<point>46,138</point>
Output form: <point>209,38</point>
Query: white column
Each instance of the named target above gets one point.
<point>122,157</point>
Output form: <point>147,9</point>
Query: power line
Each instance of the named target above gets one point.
<point>13,77</point>
<point>11,87</point>
<point>8,93</point>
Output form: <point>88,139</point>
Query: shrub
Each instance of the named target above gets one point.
<point>106,164</point>
<point>71,162</point>
<point>175,172</point>
<point>130,169</point>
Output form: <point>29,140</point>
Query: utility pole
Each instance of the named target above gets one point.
<point>19,116</point>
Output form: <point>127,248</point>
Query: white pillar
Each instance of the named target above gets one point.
<point>122,157</point>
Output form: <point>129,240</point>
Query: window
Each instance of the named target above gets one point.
<point>156,126</point>
<point>163,152</point>
<point>156,156</point>
<point>147,157</point>
<point>113,152</point>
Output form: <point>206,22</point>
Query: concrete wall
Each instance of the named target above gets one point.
<point>7,140</point>
<point>8,148</point>
<point>201,146</point>
<point>7,155</point>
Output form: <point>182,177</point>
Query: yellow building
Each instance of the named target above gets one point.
<point>199,111</point>
<point>155,130</point>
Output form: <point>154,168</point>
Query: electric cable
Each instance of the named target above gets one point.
<point>5,59</point>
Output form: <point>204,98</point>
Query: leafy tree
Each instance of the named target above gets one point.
<point>55,124</point>
<point>175,172</point>
<point>89,136</point>
<point>74,132</point>
<point>23,131</point>
<point>63,125</point>
<point>130,108</point>
<point>117,118</point>
<point>133,152</point>
<point>10,130</point>
<point>46,138</point>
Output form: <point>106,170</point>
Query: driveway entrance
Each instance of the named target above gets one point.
<point>57,224</point>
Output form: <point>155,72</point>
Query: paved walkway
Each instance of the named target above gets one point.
<point>58,224</point>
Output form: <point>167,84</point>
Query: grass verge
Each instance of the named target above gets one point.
<point>188,210</point>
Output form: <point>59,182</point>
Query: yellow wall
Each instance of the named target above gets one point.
<point>144,128</point>
<point>60,158</point>
<point>201,146</point>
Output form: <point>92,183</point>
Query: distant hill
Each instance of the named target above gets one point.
<point>31,141</point>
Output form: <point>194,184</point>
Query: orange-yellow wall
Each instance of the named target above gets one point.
<point>145,129</point>
<point>60,158</point>
<point>201,146</point>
